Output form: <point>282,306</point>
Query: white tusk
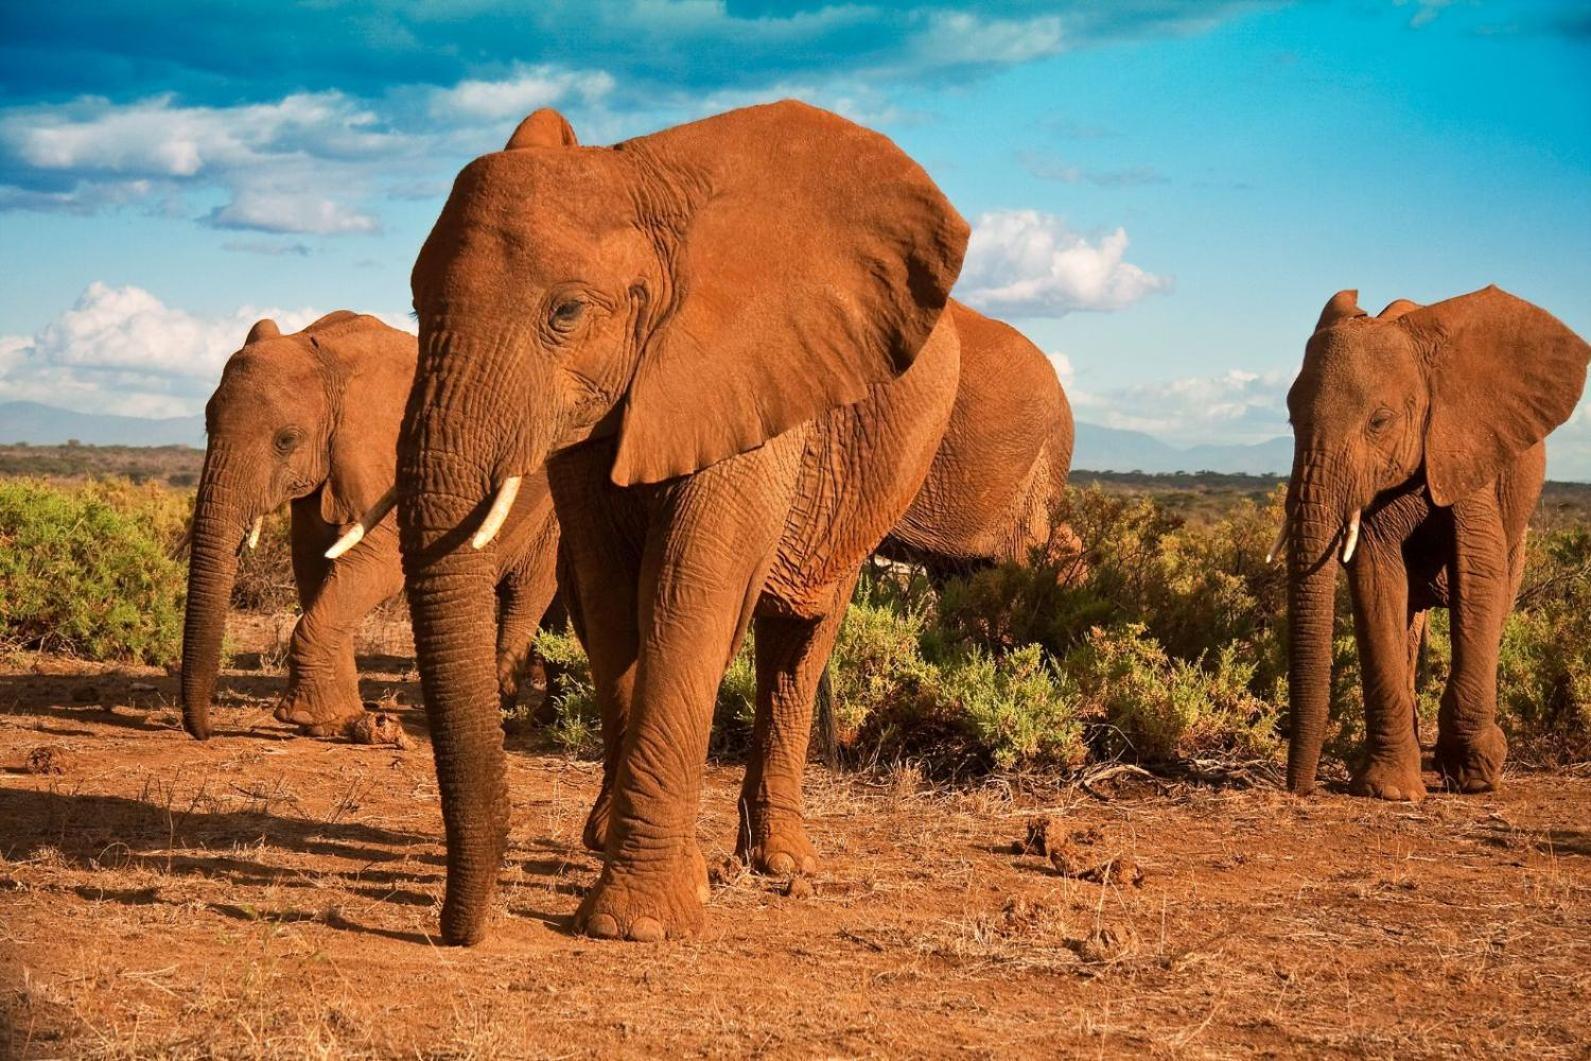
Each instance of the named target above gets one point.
<point>356,534</point>
<point>1281,542</point>
<point>254,532</point>
<point>1353,537</point>
<point>497,513</point>
<point>351,537</point>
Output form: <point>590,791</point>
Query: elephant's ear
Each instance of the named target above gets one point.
<point>813,258</point>
<point>370,368</point>
<point>264,328</point>
<point>1341,306</point>
<point>1503,374</point>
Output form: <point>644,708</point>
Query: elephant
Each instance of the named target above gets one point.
<point>1418,459</point>
<point>311,419</point>
<point>992,494</point>
<point>726,344</point>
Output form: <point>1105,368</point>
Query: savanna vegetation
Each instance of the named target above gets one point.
<point>1162,644</point>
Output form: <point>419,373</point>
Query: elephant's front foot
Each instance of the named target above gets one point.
<point>319,712</point>
<point>1391,778</point>
<point>1472,764</point>
<point>649,902</point>
<point>775,842</point>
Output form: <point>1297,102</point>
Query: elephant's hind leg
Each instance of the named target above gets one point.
<point>791,656</point>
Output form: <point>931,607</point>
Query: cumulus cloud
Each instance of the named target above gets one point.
<point>1030,264</point>
<point>1238,405</point>
<point>519,94</point>
<point>278,160</point>
<point>315,146</point>
<point>122,350</point>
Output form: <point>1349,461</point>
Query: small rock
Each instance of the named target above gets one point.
<point>800,888</point>
<point>142,687</point>
<point>378,727</point>
<point>47,759</point>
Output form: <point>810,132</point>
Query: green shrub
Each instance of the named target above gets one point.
<point>85,570</point>
<point>1154,707</point>
<point>576,722</point>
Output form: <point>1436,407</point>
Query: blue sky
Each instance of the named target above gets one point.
<point>1164,192</point>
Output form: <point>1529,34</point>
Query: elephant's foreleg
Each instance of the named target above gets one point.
<point>711,541</point>
<point>1384,627</point>
<point>791,656</point>
<point>324,693</point>
<point>1470,747</point>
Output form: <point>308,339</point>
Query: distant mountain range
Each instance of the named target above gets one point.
<point>43,425</point>
<point>1098,448</point>
<point>1110,449</point>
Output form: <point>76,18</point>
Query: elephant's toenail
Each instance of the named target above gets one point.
<point>647,930</point>
<point>603,926</point>
<point>780,864</point>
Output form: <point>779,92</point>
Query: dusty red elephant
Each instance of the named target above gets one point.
<point>726,344</point>
<point>310,419</point>
<point>1418,459</point>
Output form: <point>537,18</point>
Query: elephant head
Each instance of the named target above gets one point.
<point>1454,392</point>
<point>293,414</point>
<point>689,294</point>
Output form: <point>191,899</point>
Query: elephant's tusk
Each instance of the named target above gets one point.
<point>254,533</point>
<point>356,534</point>
<point>497,513</point>
<point>1281,543</point>
<point>351,537</point>
<point>1353,537</point>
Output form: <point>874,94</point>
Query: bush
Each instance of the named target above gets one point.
<point>85,570</point>
<point>1154,707</point>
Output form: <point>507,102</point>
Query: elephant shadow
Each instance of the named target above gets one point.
<point>101,832</point>
<point>178,838</point>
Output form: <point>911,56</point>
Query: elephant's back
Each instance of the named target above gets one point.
<point>1002,464</point>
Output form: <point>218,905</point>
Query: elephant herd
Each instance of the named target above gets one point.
<point>688,383</point>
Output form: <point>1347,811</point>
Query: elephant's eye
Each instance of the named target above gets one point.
<point>565,315</point>
<point>287,439</point>
<point>1380,419</point>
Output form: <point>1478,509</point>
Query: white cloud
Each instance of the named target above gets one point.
<point>518,95</point>
<point>1569,447</point>
<point>1030,264</point>
<point>290,165</point>
<point>1235,406</point>
<point>122,350</point>
<point>955,38</point>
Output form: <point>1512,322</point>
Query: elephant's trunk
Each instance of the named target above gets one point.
<point>1313,529</point>
<point>219,525</point>
<point>449,466</point>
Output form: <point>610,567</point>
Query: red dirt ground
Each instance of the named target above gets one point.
<point>263,895</point>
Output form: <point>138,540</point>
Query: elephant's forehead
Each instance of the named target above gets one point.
<point>1354,361</point>
<point>538,214</point>
<point>538,188</point>
<point>271,375</point>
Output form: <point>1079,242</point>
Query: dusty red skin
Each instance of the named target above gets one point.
<point>310,419</point>
<point>1429,421</point>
